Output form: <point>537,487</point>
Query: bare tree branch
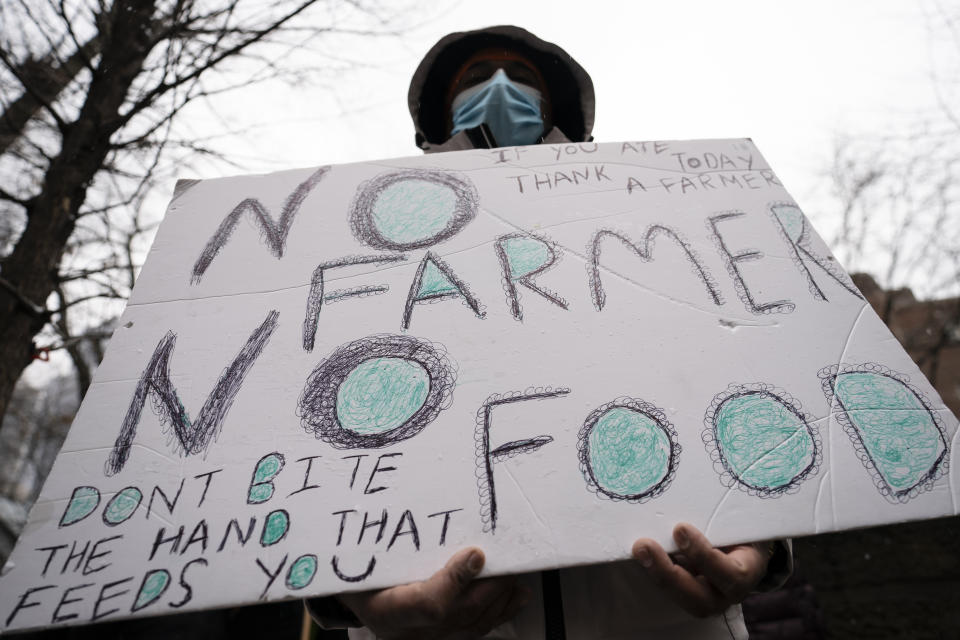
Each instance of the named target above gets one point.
<point>89,95</point>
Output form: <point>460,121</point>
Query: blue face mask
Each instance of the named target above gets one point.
<point>511,110</point>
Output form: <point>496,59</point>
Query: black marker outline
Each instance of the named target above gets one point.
<point>100,599</point>
<point>70,501</point>
<point>731,260</point>
<point>510,289</point>
<point>335,564</point>
<point>316,570</point>
<point>317,407</point>
<point>204,539</point>
<point>56,618</point>
<point>486,488</point>
<point>134,608</point>
<point>273,233</point>
<point>381,523</point>
<point>446,522</point>
<point>106,507</point>
<point>306,475</point>
<point>645,253</point>
<point>188,596</point>
<point>343,522</point>
<point>728,476</point>
<point>266,519</point>
<point>253,476</point>
<point>364,228</point>
<point>316,297</point>
<point>414,531</point>
<point>828,376</point>
<point>191,437</point>
<point>242,539</point>
<point>23,604</point>
<point>463,290</point>
<point>163,496</point>
<point>802,245</point>
<point>272,576</point>
<point>649,410</point>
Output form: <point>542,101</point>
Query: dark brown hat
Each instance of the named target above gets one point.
<point>569,87</point>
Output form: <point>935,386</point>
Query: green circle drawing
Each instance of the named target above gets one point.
<point>381,394</point>
<point>260,493</point>
<point>82,503</point>
<point>764,443</point>
<point>261,489</point>
<point>122,506</point>
<point>267,468</point>
<point>154,584</point>
<point>413,210</point>
<point>792,220</point>
<point>896,429</point>
<point>302,571</point>
<point>526,255</point>
<point>275,527</point>
<point>629,452</point>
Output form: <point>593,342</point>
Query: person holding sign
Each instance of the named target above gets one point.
<point>503,87</point>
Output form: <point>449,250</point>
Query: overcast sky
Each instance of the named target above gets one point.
<point>790,75</point>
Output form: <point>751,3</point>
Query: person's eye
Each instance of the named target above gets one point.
<point>523,75</point>
<point>470,81</point>
<point>477,73</point>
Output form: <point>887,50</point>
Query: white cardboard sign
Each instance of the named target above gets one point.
<point>331,379</point>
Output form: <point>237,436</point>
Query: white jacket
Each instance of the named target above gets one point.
<point>613,601</point>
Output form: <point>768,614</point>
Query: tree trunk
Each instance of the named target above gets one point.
<point>30,272</point>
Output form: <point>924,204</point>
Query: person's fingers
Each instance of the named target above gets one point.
<point>478,598</point>
<point>460,570</point>
<point>732,574</point>
<point>426,603</point>
<point>520,598</point>
<point>694,595</point>
<point>755,559</point>
<point>382,608</point>
<point>681,559</point>
<point>436,595</point>
<point>493,613</point>
<point>702,558</point>
<point>392,607</point>
<point>450,599</point>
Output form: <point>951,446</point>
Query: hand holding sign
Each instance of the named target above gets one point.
<point>449,601</point>
<point>705,581</point>
<point>329,379</point>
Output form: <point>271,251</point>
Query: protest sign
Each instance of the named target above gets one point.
<point>331,379</point>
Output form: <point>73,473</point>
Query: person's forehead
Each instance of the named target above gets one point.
<point>499,53</point>
<point>481,64</point>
